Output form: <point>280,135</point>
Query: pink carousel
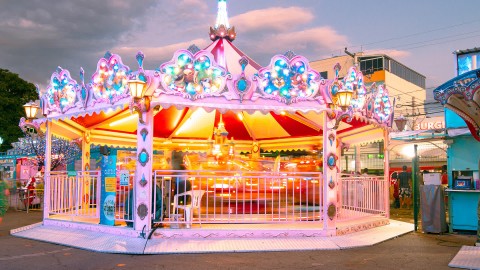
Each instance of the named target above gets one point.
<point>182,149</point>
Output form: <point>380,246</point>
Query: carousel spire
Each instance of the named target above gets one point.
<point>222,27</point>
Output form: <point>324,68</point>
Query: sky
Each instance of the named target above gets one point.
<point>36,36</point>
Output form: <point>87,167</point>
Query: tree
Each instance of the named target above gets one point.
<point>14,93</point>
<point>63,151</point>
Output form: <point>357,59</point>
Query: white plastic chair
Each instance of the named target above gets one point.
<point>196,197</point>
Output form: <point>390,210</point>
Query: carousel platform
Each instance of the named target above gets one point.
<point>125,244</point>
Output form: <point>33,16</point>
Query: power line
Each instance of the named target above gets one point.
<point>425,45</point>
<point>404,93</point>
<point>411,35</point>
<point>419,33</point>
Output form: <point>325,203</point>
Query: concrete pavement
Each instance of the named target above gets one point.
<point>410,251</point>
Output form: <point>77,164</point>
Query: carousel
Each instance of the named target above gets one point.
<point>178,149</point>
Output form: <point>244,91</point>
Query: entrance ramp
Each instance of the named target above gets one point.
<point>98,241</point>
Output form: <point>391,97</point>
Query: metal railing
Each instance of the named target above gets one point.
<point>125,198</point>
<point>74,195</point>
<point>239,197</point>
<point>362,196</point>
<point>223,197</point>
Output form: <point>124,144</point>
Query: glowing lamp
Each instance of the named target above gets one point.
<point>400,122</point>
<point>31,109</point>
<point>137,88</point>
<point>344,98</point>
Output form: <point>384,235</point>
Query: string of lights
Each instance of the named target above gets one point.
<point>63,151</point>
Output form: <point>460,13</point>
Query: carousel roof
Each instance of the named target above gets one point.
<point>196,88</point>
<point>462,95</point>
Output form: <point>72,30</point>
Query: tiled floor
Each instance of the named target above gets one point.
<point>102,242</point>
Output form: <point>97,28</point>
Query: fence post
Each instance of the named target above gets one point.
<point>143,173</point>
<point>47,163</point>
<point>386,173</point>
<point>330,184</point>
<point>416,194</point>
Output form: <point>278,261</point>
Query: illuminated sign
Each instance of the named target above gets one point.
<point>430,125</point>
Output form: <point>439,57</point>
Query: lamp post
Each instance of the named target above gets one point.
<point>31,109</point>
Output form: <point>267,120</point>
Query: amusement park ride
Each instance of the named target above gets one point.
<point>222,109</point>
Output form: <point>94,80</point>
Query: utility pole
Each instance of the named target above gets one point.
<point>416,193</point>
<point>413,113</point>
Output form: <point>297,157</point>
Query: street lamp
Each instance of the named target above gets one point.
<point>344,98</point>
<point>31,109</point>
<point>137,88</point>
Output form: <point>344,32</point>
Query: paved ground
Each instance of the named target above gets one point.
<point>411,251</point>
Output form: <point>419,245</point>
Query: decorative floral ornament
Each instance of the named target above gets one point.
<point>193,75</point>
<point>289,79</point>
<point>381,105</point>
<point>331,161</point>
<point>354,82</point>
<point>332,211</point>
<point>110,80</point>
<point>242,84</point>
<point>84,93</point>
<point>61,92</point>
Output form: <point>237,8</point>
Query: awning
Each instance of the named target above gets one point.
<point>461,94</point>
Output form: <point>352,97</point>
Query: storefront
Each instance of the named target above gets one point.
<point>461,98</point>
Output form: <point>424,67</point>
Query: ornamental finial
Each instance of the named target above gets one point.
<point>222,27</point>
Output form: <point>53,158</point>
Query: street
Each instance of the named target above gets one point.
<point>411,251</point>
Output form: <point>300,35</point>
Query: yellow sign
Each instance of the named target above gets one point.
<point>110,184</point>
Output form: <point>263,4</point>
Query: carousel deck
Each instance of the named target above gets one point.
<point>105,242</point>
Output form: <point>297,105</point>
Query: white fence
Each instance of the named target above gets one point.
<point>221,197</point>
<point>239,197</point>
<point>362,196</point>
<point>74,195</point>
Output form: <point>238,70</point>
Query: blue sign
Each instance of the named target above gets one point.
<point>108,194</point>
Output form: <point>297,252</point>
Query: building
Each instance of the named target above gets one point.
<point>408,88</point>
<point>461,98</point>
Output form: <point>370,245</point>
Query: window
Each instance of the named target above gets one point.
<point>324,74</point>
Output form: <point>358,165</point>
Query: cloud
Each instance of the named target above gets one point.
<point>38,36</point>
<point>37,33</point>
<point>395,54</point>
<point>154,56</point>
<point>311,43</point>
<point>278,19</point>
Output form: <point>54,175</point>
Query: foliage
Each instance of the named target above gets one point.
<point>63,151</point>
<point>14,93</point>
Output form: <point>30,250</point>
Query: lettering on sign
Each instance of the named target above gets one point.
<point>430,125</point>
<point>110,184</point>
